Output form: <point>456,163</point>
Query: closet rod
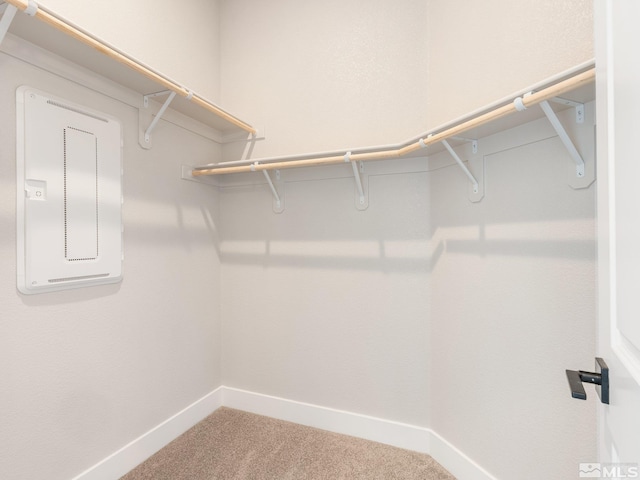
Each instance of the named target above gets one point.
<point>62,25</point>
<point>527,100</point>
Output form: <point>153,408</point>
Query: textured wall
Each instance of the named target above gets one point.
<point>86,371</point>
<point>425,308</point>
<point>178,39</point>
<point>325,304</point>
<point>480,52</point>
<point>513,304</point>
<point>323,75</point>
<point>362,311</point>
<point>332,75</point>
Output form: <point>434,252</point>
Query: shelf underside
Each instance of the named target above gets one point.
<point>61,44</point>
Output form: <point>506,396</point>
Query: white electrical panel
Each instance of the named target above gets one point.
<point>69,194</point>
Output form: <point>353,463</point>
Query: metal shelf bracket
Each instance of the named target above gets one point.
<point>570,103</point>
<point>362,200</point>
<point>156,119</point>
<point>8,12</point>
<point>472,179</point>
<point>474,142</point>
<point>564,137</point>
<point>560,130</point>
<point>278,200</point>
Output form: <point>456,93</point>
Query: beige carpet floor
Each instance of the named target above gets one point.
<point>235,445</point>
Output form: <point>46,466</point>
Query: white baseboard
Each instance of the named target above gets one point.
<point>338,421</point>
<point>137,451</point>
<point>401,435</point>
<point>456,462</point>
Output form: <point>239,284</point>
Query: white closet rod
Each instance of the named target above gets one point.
<point>58,23</point>
<point>534,98</point>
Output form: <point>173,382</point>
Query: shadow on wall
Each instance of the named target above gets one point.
<point>415,218</point>
<point>575,249</point>
<point>273,254</point>
<point>569,249</point>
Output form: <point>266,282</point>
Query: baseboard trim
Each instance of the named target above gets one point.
<point>138,450</point>
<point>460,465</point>
<point>398,434</point>
<point>338,421</point>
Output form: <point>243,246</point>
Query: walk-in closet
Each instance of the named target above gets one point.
<point>300,240</point>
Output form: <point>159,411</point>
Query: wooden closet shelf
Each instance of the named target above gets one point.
<point>62,38</point>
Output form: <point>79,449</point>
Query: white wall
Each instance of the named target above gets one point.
<point>86,371</point>
<point>323,75</point>
<point>425,308</point>
<point>512,306</point>
<point>323,303</point>
<point>332,75</point>
<point>480,52</point>
<point>180,40</point>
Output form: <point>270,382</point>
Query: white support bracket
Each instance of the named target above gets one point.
<point>474,142</point>
<point>356,176</point>
<point>145,98</point>
<point>570,103</point>
<point>564,137</point>
<point>278,200</point>
<point>7,17</point>
<point>145,141</point>
<point>474,183</point>
<point>362,196</point>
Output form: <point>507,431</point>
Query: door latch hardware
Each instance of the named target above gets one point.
<point>600,378</point>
